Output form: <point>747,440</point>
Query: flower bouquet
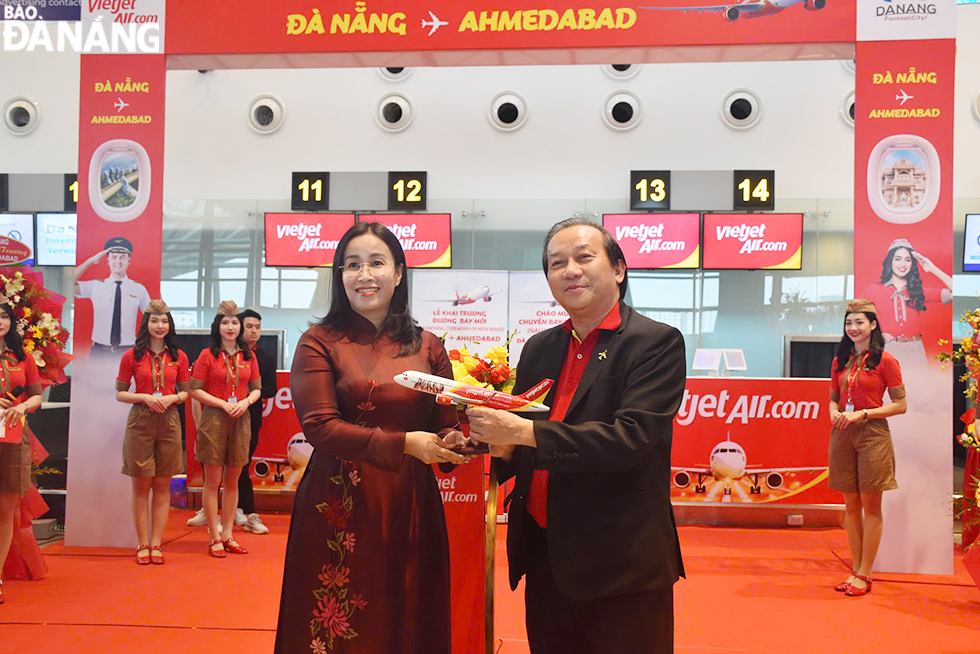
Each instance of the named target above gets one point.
<point>490,371</point>
<point>968,353</point>
<point>38,313</point>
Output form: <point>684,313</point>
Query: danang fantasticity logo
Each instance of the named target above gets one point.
<point>904,10</point>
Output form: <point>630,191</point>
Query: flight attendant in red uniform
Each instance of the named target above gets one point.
<point>861,458</point>
<point>152,451</point>
<point>226,381</point>
<point>20,392</point>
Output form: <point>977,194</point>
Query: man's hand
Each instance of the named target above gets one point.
<point>500,428</point>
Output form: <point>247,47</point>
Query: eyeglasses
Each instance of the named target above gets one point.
<point>355,267</point>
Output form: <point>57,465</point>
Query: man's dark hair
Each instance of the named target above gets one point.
<point>248,313</point>
<point>609,244</point>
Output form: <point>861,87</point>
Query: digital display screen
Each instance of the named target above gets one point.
<point>16,239</point>
<point>425,237</point>
<point>752,241</point>
<point>657,240</point>
<point>56,236</point>
<point>971,243</point>
<point>304,239</point>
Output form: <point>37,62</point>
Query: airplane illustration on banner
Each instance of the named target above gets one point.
<point>748,8</point>
<point>120,105</point>
<point>727,464</point>
<point>903,96</point>
<point>435,23</point>
<point>449,391</point>
<point>473,295</point>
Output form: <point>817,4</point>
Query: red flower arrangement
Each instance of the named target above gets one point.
<point>38,314</point>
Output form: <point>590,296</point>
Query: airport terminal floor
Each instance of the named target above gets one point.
<point>765,591</point>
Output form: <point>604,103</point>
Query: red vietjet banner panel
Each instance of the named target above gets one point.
<point>751,241</point>
<point>425,237</point>
<point>304,239</point>
<point>666,240</point>
<point>260,26</point>
<point>758,441</point>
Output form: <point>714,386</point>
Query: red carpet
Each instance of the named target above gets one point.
<point>758,591</point>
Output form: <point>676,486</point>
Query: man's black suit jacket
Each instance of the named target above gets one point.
<point>610,525</point>
<point>267,371</point>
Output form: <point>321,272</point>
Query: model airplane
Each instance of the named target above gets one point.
<point>435,23</point>
<point>748,8</point>
<point>448,391</point>
<point>727,464</point>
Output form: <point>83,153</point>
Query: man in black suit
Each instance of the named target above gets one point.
<point>246,517</point>
<point>590,521</point>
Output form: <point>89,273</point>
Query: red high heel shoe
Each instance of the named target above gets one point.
<point>844,585</point>
<point>144,559</point>
<point>218,554</point>
<point>156,555</point>
<point>232,546</point>
<point>854,591</point>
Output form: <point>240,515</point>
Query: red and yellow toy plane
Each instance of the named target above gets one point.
<point>449,391</point>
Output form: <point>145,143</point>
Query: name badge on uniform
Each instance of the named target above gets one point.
<point>157,394</point>
<point>849,407</point>
<point>232,400</point>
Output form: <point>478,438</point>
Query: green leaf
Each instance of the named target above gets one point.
<point>350,634</point>
<point>348,502</point>
<point>314,628</point>
<point>322,508</point>
<point>343,594</point>
<point>338,479</point>
<point>334,545</point>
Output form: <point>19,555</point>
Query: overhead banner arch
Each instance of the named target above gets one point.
<point>121,167</point>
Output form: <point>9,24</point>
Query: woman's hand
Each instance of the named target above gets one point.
<point>13,414</point>
<point>848,418</point>
<point>455,440</point>
<point>6,403</point>
<point>429,448</point>
<point>237,409</point>
<point>925,263</point>
<point>155,404</point>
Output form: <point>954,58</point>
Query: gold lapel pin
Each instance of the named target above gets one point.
<point>602,355</point>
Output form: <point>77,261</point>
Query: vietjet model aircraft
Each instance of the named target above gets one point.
<point>727,464</point>
<point>749,8</point>
<point>448,391</point>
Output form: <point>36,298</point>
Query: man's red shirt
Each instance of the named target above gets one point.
<point>573,367</point>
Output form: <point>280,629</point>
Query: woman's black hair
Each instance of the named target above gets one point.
<point>917,297</point>
<point>143,337</point>
<point>215,345</point>
<point>12,339</point>
<point>876,347</point>
<point>398,324</point>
